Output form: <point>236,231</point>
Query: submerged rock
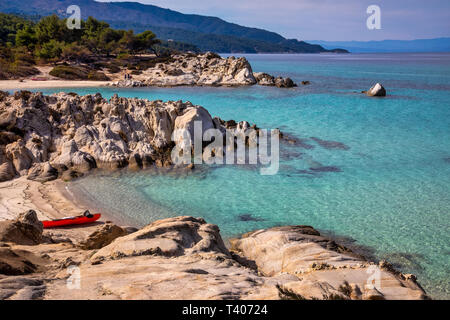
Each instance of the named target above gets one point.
<point>325,169</point>
<point>328,144</point>
<point>248,217</point>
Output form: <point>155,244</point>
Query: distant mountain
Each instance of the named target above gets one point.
<point>207,33</point>
<point>419,45</point>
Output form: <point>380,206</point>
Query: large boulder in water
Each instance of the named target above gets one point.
<point>187,122</point>
<point>281,82</point>
<point>264,79</point>
<point>25,230</point>
<point>376,91</point>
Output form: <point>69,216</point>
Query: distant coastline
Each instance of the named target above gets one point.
<point>390,46</point>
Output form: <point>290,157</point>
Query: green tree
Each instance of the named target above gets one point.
<point>109,40</point>
<point>50,50</point>
<point>10,25</point>
<point>76,53</point>
<point>93,28</point>
<point>50,28</point>
<point>26,37</point>
<point>145,41</point>
<point>128,42</point>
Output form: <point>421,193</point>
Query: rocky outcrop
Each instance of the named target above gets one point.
<point>15,262</point>
<point>103,236</point>
<point>281,82</point>
<point>206,69</point>
<point>7,171</point>
<point>376,91</point>
<point>186,258</point>
<point>43,172</point>
<point>45,137</point>
<point>323,268</point>
<point>26,229</point>
<point>265,79</point>
<point>128,84</point>
<point>169,238</point>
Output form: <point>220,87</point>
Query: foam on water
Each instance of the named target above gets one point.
<point>386,186</point>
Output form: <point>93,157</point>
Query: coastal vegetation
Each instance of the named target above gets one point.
<point>76,53</point>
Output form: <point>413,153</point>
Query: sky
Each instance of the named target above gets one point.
<point>333,20</point>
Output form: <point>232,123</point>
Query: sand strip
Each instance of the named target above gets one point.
<point>30,84</point>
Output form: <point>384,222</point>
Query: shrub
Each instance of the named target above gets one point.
<point>69,72</point>
<point>15,70</point>
<point>97,76</point>
<point>113,68</point>
<point>123,56</point>
<point>77,73</point>
<point>50,50</point>
<point>73,52</point>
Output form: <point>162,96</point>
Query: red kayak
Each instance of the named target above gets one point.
<point>84,219</point>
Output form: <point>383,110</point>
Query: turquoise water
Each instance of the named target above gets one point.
<point>389,190</point>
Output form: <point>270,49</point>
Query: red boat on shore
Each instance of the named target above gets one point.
<point>86,218</point>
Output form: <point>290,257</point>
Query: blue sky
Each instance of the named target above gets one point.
<point>326,19</point>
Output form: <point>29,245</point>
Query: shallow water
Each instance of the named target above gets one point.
<point>389,190</point>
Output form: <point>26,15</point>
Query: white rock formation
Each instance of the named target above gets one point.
<point>207,69</point>
<point>41,135</point>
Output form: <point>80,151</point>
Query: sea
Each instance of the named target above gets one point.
<point>381,183</point>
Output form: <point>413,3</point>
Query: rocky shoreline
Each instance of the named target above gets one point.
<point>65,135</point>
<point>174,258</point>
<point>185,258</point>
<point>208,69</point>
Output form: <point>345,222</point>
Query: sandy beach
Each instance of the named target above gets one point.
<point>50,200</point>
<point>30,84</point>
